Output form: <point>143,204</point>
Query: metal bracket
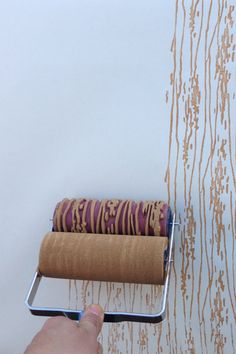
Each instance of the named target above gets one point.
<point>108,316</point>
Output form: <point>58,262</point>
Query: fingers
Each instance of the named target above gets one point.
<point>92,320</point>
<point>58,322</point>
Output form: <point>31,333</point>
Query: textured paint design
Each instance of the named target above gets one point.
<point>201,146</point>
<point>201,185</point>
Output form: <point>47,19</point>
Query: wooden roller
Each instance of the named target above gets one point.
<point>117,258</point>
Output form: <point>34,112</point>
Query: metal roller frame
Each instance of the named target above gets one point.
<point>108,316</point>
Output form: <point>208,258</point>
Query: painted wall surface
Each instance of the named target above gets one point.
<point>121,99</point>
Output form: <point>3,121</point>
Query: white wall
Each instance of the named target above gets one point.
<point>83,113</point>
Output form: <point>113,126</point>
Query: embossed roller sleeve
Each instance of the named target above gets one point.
<point>103,257</point>
<point>124,217</point>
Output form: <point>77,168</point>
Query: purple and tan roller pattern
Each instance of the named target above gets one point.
<point>91,240</point>
<point>125,217</point>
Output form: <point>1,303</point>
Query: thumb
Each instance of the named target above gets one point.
<point>92,320</point>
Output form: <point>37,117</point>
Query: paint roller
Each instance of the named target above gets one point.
<point>107,240</point>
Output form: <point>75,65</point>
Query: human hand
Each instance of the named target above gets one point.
<point>59,335</point>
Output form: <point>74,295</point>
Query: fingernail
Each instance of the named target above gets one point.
<point>96,310</point>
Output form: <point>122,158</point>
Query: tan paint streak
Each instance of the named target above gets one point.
<point>201,202</point>
<point>210,157</point>
<point>233,243</point>
<point>173,50</point>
